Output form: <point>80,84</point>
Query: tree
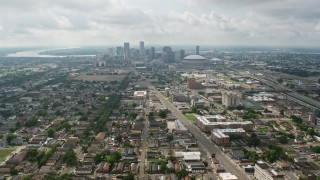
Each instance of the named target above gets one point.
<point>169,137</point>
<point>251,114</point>
<point>194,109</point>
<point>316,149</point>
<point>51,132</point>
<point>128,177</point>
<point>296,119</point>
<point>253,140</point>
<point>162,113</point>
<point>182,173</point>
<point>31,123</point>
<point>311,132</point>
<point>70,158</point>
<point>280,80</point>
<point>132,115</point>
<point>10,137</point>
<point>283,139</point>
<point>13,171</point>
<point>282,112</point>
<point>32,154</point>
<point>205,163</point>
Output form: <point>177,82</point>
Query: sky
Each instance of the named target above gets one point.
<point>175,22</point>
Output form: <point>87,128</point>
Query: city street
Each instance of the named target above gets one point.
<point>203,140</point>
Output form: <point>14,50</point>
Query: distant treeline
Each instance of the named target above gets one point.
<point>298,72</point>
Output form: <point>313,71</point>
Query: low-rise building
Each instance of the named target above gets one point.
<point>221,136</point>
<point>263,171</point>
<point>208,123</point>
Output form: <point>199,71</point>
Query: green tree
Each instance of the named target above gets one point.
<point>282,112</point>
<point>169,137</point>
<point>205,163</point>
<point>128,177</point>
<point>182,173</point>
<point>32,154</point>
<point>162,113</point>
<point>31,123</point>
<point>316,149</point>
<point>253,140</point>
<point>311,132</point>
<point>51,132</point>
<point>10,137</point>
<point>13,171</point>
<point>283,139</point>
<point>70,158</point>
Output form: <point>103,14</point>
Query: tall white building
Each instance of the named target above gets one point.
<point>230,99</point>
<point>262,171</point>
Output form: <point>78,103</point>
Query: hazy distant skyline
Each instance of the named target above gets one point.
<point>211,22</point>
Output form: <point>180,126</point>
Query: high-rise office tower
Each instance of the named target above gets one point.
<point>142,51</point>
<point>182,54</point>
<point>111,51</point>
<point>126,51</point>
<point>167,49</point>
<point>153,53</point>
<point>119,51</point>
<point>197,50</point>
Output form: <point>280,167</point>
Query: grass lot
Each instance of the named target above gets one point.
<point>191,117</point>
<point>4,152</point>
<point>264,129</point>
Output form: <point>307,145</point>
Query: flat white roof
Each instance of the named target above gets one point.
<point>227,176</point>
<point>205,120</point>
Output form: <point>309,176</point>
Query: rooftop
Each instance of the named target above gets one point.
<point>194,57</point>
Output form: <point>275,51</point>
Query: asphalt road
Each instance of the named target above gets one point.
<point>144,147</point>
<point>203,140</point>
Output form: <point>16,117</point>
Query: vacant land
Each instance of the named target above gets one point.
<point>106,78</point>
<point>191,117</point>
<point>4,152</point>
<point>264,129</point>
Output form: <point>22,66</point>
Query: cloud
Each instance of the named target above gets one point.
<point>163,22</point>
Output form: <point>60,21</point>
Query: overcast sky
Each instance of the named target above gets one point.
<point>103,22</point>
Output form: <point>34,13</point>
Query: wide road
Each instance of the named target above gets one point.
<point>203,140</point>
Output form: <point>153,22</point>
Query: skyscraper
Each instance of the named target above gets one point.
<point>197,50</point>
<point>142,51</point>
<point>126,51</point>
<point>119,51</point>
<point>167,49</point>
<point>182,54</point>
<point>153,53</point>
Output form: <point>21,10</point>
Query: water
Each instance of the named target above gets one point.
<point>36,53</point>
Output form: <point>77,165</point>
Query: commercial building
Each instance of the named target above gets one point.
<point>182,54</point>
<point>208,123</point>
<point>189,156</point>
<point>227,176</point>
<point>197,50</point>
<point>263,171</point>
<point>126,51</point>
<point>140,95</point>
<point>230,99</point>
<point>221,136</point>
<point>153,53</point>
<point>142,51</point>
<point>119,51</point>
